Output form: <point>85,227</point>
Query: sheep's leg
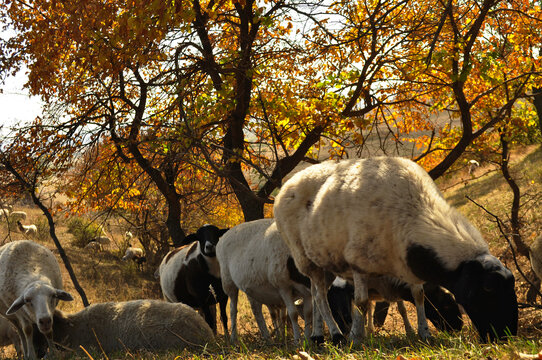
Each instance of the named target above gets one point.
<point>233,295</point>
<point>257,311</point>
<point>361,297</point>
<point>319,287</point>
<point>307,314</point>
<point>22,338</point>
<point>210,316</point>
<point>286,295</point>
<point>423,328</point>
<point>402,310</point>
<point>370,317</point>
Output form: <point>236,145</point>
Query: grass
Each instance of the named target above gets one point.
<point>106,278</point>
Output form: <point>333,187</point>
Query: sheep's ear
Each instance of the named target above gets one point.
<point>17,304</point>
<point>222,232</point>
<point>63,295</point>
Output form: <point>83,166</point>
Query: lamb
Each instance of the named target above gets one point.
<point>9,336</point>
<point>17,215</point>
<point>28,230</point>
<point>31,286</point>
<point>440,306</point>
<point>191,274</point>
<point>386,216</point>
<point>253,258</point>
<point>151,325</point>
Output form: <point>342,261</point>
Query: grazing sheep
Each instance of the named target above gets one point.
<point>17,215</point>
<point>151,325</point>
<point>28,230</point>
<point>103,240</point>
<point>440,306</point>
<point>9,336</point>
<point>134,254</point>
<point>93,246</point>
<point>191,275</point>
<point>128,236</point>
<point>473,164</point>
<point>31,286</point>
<point>387,216</point>
<point>253,258</point>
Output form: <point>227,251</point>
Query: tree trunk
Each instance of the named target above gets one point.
<point>537,101</point>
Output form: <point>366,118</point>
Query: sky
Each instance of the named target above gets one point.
<point>16,107</point>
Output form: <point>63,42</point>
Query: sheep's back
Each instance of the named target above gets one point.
<point>134,325</point>
<point>365,214</point>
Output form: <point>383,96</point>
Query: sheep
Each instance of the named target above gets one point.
<point>151,325</point>
<point>9,336</point>
<point>17,215</point>
<point>103,240</point>
<point>4,214</point>
<point>93,246</point>
<point>440,306</point>
<point>31,286</point>
<point>28,230</point>
<point>253,258</point>
<point>191,274</point>
<point>128,236</point>
<point>135,254</point>
<point>473,164</point>
<point>386,216</point>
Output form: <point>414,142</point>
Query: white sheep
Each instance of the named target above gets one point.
<point>253,258</point>
<point>103,240</point>
<point>473,164</point>
<point>17,215</point>
<point>386,216</point>
<point>9,336</point>
<point>30,288</point>
<point>128,236</point>
<point>28,230</point>
<point>132,253</point>
<point>130,326</point>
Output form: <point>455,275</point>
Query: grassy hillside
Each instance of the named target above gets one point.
<point>105,277</point>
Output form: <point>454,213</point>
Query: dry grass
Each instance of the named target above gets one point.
<point>105,277</point>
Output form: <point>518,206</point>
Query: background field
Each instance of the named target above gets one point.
<point>105,277</point>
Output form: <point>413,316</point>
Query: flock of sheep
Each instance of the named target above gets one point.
<point>344,232</point>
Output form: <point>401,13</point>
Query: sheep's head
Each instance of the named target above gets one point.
<point>39,300</point>
<point>486,290</point>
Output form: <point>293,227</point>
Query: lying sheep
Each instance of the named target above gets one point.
<point>93,246</point>
<point>31,286</point>
<point>191,275</point>
<point>151,325</point>
<point>17,215</point>
<point>253,258</point>
<point>386,216</point>
<point>9,336</point>
<point>28,230</point>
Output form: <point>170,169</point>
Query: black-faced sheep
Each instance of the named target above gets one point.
<point>31,286</point>
<point>151,325</point>
<point>440,306</point>
<point>253,258</point>
<point>387,216</point>
<point>28,230</point>
<point>191,275</point>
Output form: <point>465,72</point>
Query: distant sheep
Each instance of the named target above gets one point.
<point>93,246</point>
<point>28,230</point>
<point>253,258</point>
<point>386,216</point>
<point>128,236</point>
<point>151,325</point>
<point>9,336</point>
<point>472,165</point>
<point>135,254</point>
<point>17,215</point>
<point>4,214</point>
<point>191,275</point>
<point>31,285</point>
<point>103,240</point>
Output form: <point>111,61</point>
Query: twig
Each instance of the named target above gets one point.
<point>501,225</point>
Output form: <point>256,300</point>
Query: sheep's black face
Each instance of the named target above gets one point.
<point>442,309</point>
<point>208,236</point>
<point>486,291</point>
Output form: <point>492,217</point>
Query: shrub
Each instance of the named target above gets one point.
<point>83,231</point>
<point>43,229</point>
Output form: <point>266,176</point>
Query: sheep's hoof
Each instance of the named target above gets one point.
<point>318,340</point>
<point>338,339</point>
